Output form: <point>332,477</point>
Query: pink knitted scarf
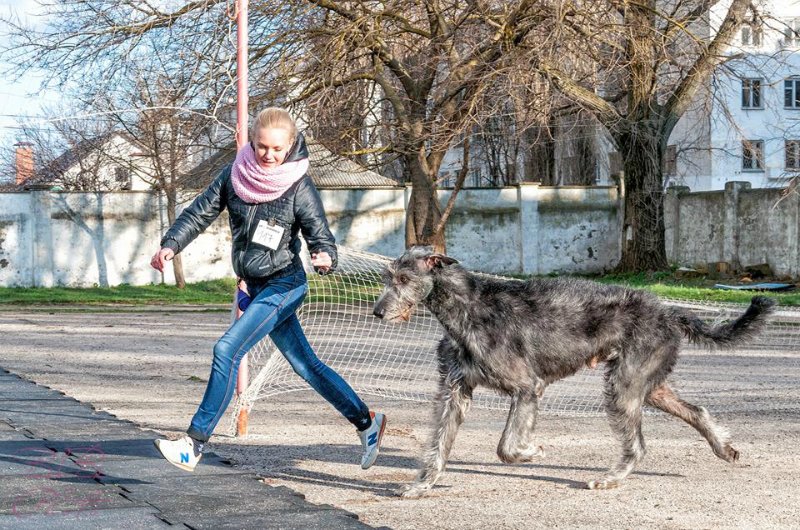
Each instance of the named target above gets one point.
<point>255,184</point>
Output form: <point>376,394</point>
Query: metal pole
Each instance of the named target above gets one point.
<point>243,378</point>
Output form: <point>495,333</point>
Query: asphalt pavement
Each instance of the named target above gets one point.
<point>65,465</point>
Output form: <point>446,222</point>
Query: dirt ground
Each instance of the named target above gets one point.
<point>151,367</point>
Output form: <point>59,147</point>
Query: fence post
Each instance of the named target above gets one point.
<point>528,201</point>
<point>41,237</point>
<point>730,224</point>
<point>672,222</point>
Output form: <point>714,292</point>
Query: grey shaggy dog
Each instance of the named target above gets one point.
<point>516,337</point>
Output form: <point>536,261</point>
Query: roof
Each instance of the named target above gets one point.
<point>327,170</point>
<point>70,157</point>
<point>6,187</point>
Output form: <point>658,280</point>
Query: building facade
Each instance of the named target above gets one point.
<point>745,125</point>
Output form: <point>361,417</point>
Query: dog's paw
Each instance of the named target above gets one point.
<point>602,484</point>
<point>415,490</point>
<point>528,454</point>
<point>522,455</point>
<point>730,454</point>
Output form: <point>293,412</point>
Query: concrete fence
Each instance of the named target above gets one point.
<point>83,239</point>
<point>740,226</point>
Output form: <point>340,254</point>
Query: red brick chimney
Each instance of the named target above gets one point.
<point>24,161</point>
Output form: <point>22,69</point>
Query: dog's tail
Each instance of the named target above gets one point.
<point>728,334</point>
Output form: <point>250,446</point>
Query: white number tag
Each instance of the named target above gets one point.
<point>268,235</point>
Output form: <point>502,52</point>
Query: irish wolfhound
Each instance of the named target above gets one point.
<point>515,337</point>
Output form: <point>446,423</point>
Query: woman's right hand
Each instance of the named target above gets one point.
<point>161,258</point>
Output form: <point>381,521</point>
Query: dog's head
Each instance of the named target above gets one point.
<point>407,281</point>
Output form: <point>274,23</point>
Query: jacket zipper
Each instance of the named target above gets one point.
<point>250,214</point>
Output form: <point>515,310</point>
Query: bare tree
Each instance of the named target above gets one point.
<point>652,58</point>
<point>425,70</point>
<point>427,65</point>
<point>174,137</point>
<point>433,65</point>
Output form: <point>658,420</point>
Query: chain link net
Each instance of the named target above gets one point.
<point>399,360</point>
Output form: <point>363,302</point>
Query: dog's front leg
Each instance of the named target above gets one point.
<point>452,403</point>
<point>516,444</point>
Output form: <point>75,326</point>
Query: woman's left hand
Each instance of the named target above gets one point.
<point>322,262</point>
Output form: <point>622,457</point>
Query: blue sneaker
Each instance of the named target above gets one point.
<point>371,438</point>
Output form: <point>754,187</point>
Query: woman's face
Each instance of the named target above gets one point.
<point>272,144</point>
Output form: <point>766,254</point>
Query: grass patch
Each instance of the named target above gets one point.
<point>210,292</point>
<point>345,289</point>
<point>665,284</point>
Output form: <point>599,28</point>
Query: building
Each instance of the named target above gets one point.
<point>109,162</point>
<point>745,126</point>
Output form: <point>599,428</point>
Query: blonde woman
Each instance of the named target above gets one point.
<point>270,200</point>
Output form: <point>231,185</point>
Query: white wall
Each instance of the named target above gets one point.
<point>85,239</point>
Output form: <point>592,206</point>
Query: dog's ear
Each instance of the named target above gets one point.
<point>435,261</point>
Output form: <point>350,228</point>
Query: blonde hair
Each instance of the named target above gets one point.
<point>274,118</point>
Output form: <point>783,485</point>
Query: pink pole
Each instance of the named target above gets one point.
<point>241,72</point>
<point>243,378</point>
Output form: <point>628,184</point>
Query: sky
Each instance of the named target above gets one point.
<point>23,96</point>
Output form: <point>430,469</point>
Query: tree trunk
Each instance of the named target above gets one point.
<point>424,212</point>
<point>177,262</point>
<point>643,243</point>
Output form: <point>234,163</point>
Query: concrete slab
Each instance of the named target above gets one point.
<point>121,471</point>
<point>293,520</point>
<point>36,495</point>
<point>145,518</point>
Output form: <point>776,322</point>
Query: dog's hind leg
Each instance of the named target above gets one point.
<point>664,398</point>
<point>452,403</point>
<point>624,396</point>
<point>516,444</point>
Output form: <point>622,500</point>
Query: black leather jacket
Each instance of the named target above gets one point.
<point>299,209</point>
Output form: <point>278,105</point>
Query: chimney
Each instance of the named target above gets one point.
<point>24,161</point>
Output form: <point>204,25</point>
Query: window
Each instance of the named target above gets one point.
<point>791,32</point>
<point>123,177</point>
<point>751,35</point>
<point>791,93</point>
<point>670,161</point>
<point>751,93</point>
<point>753,155</point>
<point>793,155</point>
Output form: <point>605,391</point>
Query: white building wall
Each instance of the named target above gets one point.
<point>719,122</point>
<point>773,124</point>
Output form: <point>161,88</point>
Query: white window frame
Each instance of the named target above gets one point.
<point>792,155</point>
<point>791,33</point>
<point>791,85</point>
<point>750,162</point>
<point>752,35</point>
<point>748,92</point>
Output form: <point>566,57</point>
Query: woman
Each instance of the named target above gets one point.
<point>270,199</point>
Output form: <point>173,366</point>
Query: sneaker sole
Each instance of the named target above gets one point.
<point>380,439</point>
<point>178,465</point>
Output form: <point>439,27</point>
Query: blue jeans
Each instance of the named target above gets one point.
<point>272,312</point>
